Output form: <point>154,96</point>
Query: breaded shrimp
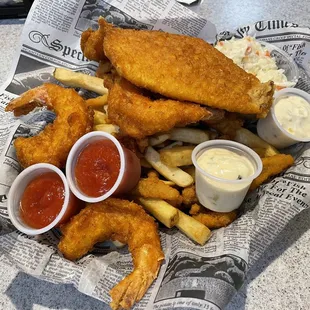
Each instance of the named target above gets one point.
<point>127,222</point>
<point>53,144</point>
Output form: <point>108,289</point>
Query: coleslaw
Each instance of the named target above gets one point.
<point>254,58</point>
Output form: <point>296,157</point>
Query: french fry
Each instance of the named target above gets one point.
<point>161,210</point>
<point>100,118</point>
<point>170,183</point>
<point>193,229</point>
<point>189,135</point>
<point>173,174</point>
<point>248,138</point>
<point>98,102</point>
<point>173,144</point>
<point>177,156</point>
<point>77,79</point>
<point>191,170</point>
<point>158,139</point>
<point>144,163</point>
<point>109,128</point>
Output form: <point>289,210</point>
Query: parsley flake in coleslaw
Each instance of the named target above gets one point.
<point>254,58</point>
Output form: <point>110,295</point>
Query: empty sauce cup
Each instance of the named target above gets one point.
<point>224,173</point>
<point>99,166</point>
<point>288,121</point>
<point>40,199</point>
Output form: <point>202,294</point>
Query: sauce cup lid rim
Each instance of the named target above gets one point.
<point>18,180</point>
<point>217,143</point>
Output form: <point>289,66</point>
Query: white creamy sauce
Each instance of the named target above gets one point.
<point>293,114</point>
<point>225,164</point>
<point>252,57</point>
<point>222,195</point>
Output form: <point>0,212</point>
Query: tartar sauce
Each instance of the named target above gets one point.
<point>293,114</point>
<point>225,164</point>
<point>252,57</point>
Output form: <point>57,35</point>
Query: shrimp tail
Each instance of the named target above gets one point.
<point>128,223</point>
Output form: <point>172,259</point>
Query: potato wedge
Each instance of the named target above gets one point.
<point>193,229</point>
<point>77,79</point>
<point>177,156</point>
<point>253,141</point>
<point>173,174</point>
<point>189,135</point>
<point>161,210</point>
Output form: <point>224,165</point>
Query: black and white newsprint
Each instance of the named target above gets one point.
<point>192,277</point>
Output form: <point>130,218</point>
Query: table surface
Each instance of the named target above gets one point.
<point>279,280</point>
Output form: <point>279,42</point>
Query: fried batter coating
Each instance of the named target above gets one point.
<point>155,188</point>
<point>137,146</point>
<point>139,116</point>
<point>211,219</point>
<point>92,42</point>
<point>189,195</point>
<point>53,144</point>
<point>272,165</point>
<point>184,68</point>
<point>228,125</point>
<point>127,222</point>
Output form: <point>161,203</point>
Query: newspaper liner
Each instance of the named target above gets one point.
<point>192,276</point>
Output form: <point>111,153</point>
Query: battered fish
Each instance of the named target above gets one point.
<point>183,68</point>
<point>139,116</point>
<point>127,222</point>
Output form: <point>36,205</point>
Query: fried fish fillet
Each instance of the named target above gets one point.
<point>272,165</point>
<point>179,67</point>
<point>139,116</point>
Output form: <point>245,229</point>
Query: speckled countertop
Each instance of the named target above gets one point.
<point>280,280</point>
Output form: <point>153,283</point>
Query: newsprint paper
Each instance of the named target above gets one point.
<point>192,277</point>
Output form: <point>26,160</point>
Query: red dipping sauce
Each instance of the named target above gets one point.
<point>97,168</point>
<point>42,200</point>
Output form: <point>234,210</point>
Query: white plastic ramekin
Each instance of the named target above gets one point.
<point>17,189</point>
<point>218,194</point>
<point>269,128</point>
<point>129,174</point>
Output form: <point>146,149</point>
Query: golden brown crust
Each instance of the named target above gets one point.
<point>52,145</point>
<point>139,116</point>
<point>187,69</point>
<point>211,219</point>
<point>155,188</point>
<point>272,166</point>
<point>127,222</point>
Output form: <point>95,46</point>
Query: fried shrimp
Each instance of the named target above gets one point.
<point>127,222</point>
<point>52,145</point>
